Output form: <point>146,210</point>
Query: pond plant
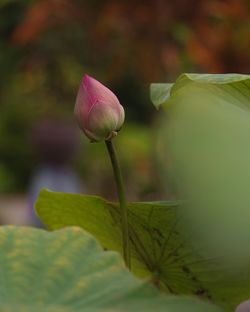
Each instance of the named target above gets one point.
<point>188,255</point>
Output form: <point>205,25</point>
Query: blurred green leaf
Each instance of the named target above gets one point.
<point>158,249</point>
<point>159,93</point>
<point>67,271</point>
<point>206,139</point>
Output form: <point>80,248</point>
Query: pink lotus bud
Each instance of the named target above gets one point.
<point>97,110</point>
<point>243,307</point>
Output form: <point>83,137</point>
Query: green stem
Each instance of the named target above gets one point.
<point>122,200</point>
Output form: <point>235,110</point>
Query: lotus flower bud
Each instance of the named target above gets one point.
<point>98,111</point>
<point>243,307</point>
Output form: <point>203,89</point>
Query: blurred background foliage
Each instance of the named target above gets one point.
<point>47,45</point>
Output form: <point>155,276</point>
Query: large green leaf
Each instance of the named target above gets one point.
<point>206,135</point>
<point>161,92</point>
<point>68,271</point>
<point>206,138</point>
<point>158,250</point>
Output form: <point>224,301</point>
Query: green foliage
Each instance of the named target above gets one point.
<point>158,249</point>
<point>68,271</point>
<point>206,139</point>
<point>159,93</point>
